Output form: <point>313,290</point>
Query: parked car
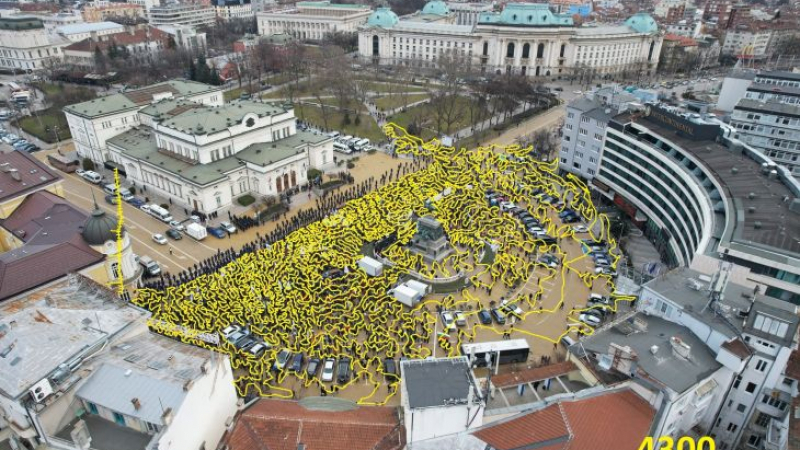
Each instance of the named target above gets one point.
<point>227,226</point>
<point>597,298</point>
<point>605,271</point>
<point>313,367</point>
<point>282,359</point>
<point>589,319</point>
<point>498,316</point>
<point>136,202</point>
<point>461,319</point>
<point>485,317</point>
<point>126,195</point>
<point>390,368</point>
<point>580,229</point>
<point>159,238</point>
<point>176,225</point>
<point>297,363</point>
<point>111,199</point>
<point>448,321</point>
<point>511,309</point>
<point>258,349</point>
<point>216,232</point>
<point>229,330</point>
<point>327,369</point>
<point>343,371</point>
<point>174,234</point>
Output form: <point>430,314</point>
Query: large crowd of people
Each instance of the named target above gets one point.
<point>279,286</point>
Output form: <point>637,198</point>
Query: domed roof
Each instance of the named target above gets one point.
<point>382,17</point>
<point>99,228</point>
<point>437,7</point>
<point>642,23</point>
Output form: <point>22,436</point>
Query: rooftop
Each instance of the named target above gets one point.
<point>437,382</point>
<point>664,366</point>
<point>124,39</point>
<point>678,285</point>
<point>434,28</point>
<point>116,103</point>
<point>206,120</point>
<point>526,15</point>
<point>762,221</point>
<point>534,374</point>
<point>20,23</point>
<point>774,89</point>
<point>780,75</point>
<point>328,4</point>
<point>52,246</point>
<point>53,325</point>
<point>288,425</point>
<point>79,28</point>
<point>140,144</point>
<point>770,107</point>
<point>33,175</point>
<point>616,420</point>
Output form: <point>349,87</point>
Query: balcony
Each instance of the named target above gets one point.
<point>777,434</point>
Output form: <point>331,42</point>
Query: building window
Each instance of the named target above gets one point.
<point>762,420</point>
<point>510,50</point>
<point>761,365</point>
<point>751,387</point>
<point>754,441</point>
<point>92,407</point>
<point>741,407</point>
<point>540,51</point>
<point>526,50</point>
<point>732,427</point>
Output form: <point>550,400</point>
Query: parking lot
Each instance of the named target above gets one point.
<point>528,248</point>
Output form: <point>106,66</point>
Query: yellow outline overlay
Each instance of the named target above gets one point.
<point>279,293</point>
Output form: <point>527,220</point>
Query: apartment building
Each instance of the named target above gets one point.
<point>768,117</point>
<point>233,9</point>
<point>182,14</point>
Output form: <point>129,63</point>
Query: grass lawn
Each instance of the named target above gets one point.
<point>396,101</point>
<point>426,110</point>
<point>48,117</point>
<point>385,87</point>
<point>233,94</point>
<point>278,78</point>
<point>48,88</point>
<point>367,128</point>
<point>353,105</point>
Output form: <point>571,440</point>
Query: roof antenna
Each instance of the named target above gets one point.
<point>94,200</point>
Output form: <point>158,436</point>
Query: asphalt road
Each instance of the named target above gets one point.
<point>141,227</point>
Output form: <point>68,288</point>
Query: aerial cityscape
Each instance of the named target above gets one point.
<point>399,225</point>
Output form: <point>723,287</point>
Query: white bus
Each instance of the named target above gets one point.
<point>159,213</point>
<point>511,351</point>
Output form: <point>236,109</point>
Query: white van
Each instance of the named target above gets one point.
<point>341,148</point>
<point>110,189</point>
<point>361,144</point>
<point>6,114</point>
<point>160,213</point>
<point>92,177</point>
<point>334,134</point>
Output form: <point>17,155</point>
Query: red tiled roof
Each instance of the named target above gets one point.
<point>531,375</point>
<point>50,228</point>
<point>123,39</point>
<point>283,424</point>
<point>737,347</point>
<point>30,170</point>
<point>612,421</point>
<point>541,426</point>
<point>793,366</point>
<point>683,41</point>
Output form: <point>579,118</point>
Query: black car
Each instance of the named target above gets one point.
<point>313,367</point>
<point>174,234</point>
<point>571,219</point>
<point>333,273</point>
<point>389,368</point>
<point>343,371</point>
<point>499,316</point>
<point>485,317</point>
<point>297,362</point>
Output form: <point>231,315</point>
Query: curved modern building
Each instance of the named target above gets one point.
<point>524,38</point>
<point>701,196</point>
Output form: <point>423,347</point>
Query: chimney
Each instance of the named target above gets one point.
<point>137,405</point>
<point>15,174</point>
<point>5,167</point>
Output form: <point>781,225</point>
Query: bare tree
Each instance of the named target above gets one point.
<point>296,66</point>
<point>447,103</point>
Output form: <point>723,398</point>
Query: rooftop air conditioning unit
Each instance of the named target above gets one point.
<point>41,390</point>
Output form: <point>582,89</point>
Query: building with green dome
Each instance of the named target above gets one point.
<point>524,38</point>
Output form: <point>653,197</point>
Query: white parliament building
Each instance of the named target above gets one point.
<point>524,38</point>
<point>181,141</point>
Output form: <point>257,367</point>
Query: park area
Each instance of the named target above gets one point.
<point>484,229</point>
